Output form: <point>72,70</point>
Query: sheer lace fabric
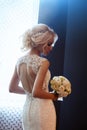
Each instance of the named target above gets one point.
<point>38,114</point>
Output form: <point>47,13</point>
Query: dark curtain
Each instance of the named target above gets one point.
<point>69,19</point>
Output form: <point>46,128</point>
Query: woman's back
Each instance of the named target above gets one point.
<point>27,68</point>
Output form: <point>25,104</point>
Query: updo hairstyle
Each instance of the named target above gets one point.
<point>39,34</point>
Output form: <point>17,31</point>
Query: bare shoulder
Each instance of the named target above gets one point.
<point>45,62</point>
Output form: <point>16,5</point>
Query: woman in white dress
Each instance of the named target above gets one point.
<point>33,72</point>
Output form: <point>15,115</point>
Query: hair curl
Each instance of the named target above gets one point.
<point>39,34</point>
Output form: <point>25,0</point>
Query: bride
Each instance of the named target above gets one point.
<point>33,72</point>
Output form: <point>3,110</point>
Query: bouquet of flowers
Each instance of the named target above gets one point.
<point>61,85</point>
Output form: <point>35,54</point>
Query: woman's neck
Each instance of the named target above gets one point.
<point>34,51</point>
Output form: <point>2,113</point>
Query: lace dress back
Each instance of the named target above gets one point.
<point>38,114</point>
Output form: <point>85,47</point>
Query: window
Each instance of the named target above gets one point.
<point>15,17</point>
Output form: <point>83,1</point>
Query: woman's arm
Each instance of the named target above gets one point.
<point>37,88</point>
<point>14,84</point>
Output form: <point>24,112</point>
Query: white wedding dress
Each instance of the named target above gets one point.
<point>38,114</point>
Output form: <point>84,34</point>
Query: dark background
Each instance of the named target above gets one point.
<point>69,20</point>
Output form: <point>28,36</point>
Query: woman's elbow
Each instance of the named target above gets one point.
<point>11,89</point>
<point>35,94</point>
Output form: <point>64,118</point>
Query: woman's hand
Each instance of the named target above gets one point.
<point>56,95</point>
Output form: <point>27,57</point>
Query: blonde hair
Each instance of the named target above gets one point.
<point>39,34</point>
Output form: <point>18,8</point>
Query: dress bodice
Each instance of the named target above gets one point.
<point>27,69</point>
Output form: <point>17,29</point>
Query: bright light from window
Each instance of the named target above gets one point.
<point>15,17</point>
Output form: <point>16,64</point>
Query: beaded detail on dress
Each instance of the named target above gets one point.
<point>33,60</point>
